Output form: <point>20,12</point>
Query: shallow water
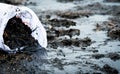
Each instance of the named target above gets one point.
<point>86,26</point>
<point>71,59</point>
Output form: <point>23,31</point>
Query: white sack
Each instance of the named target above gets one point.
<point>28,17</point>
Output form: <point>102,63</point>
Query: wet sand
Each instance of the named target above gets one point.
<point>83,38</point>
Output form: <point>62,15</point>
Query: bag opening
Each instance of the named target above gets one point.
<point>17,34</point>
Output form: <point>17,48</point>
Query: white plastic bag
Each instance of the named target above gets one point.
<point>28,17</point>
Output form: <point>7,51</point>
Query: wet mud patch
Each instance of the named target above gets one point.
<point>114,29</point>
<point>54,34</point>
<point>70,42</point>
<point>74,15</point>
<point>109,70</point>
<point>114,33</point>
<point>112,0</point>
<point>115,19</point>
<point>77,42</point>
<point>61,22</point>
<point>13,58</point>
<point>69,32</point>
<point>105,26</point>
<point>98,56</point>
<point>21,63</point>
<point>113,56</point>
<point>70,15</point>
<point>56,62</point>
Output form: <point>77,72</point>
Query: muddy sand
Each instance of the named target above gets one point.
<point>83,38</point>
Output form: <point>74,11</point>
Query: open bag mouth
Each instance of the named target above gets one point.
<point>17,34</point>
<point>20,29</point>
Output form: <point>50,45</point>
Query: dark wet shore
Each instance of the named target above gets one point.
<point>82,39</point>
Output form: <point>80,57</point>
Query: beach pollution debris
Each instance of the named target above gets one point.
<point>20,29</point>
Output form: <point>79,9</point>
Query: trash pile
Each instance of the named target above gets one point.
<point>20,28</point>
<point>17,34</point>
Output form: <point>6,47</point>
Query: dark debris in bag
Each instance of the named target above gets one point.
<point>17,34</point>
